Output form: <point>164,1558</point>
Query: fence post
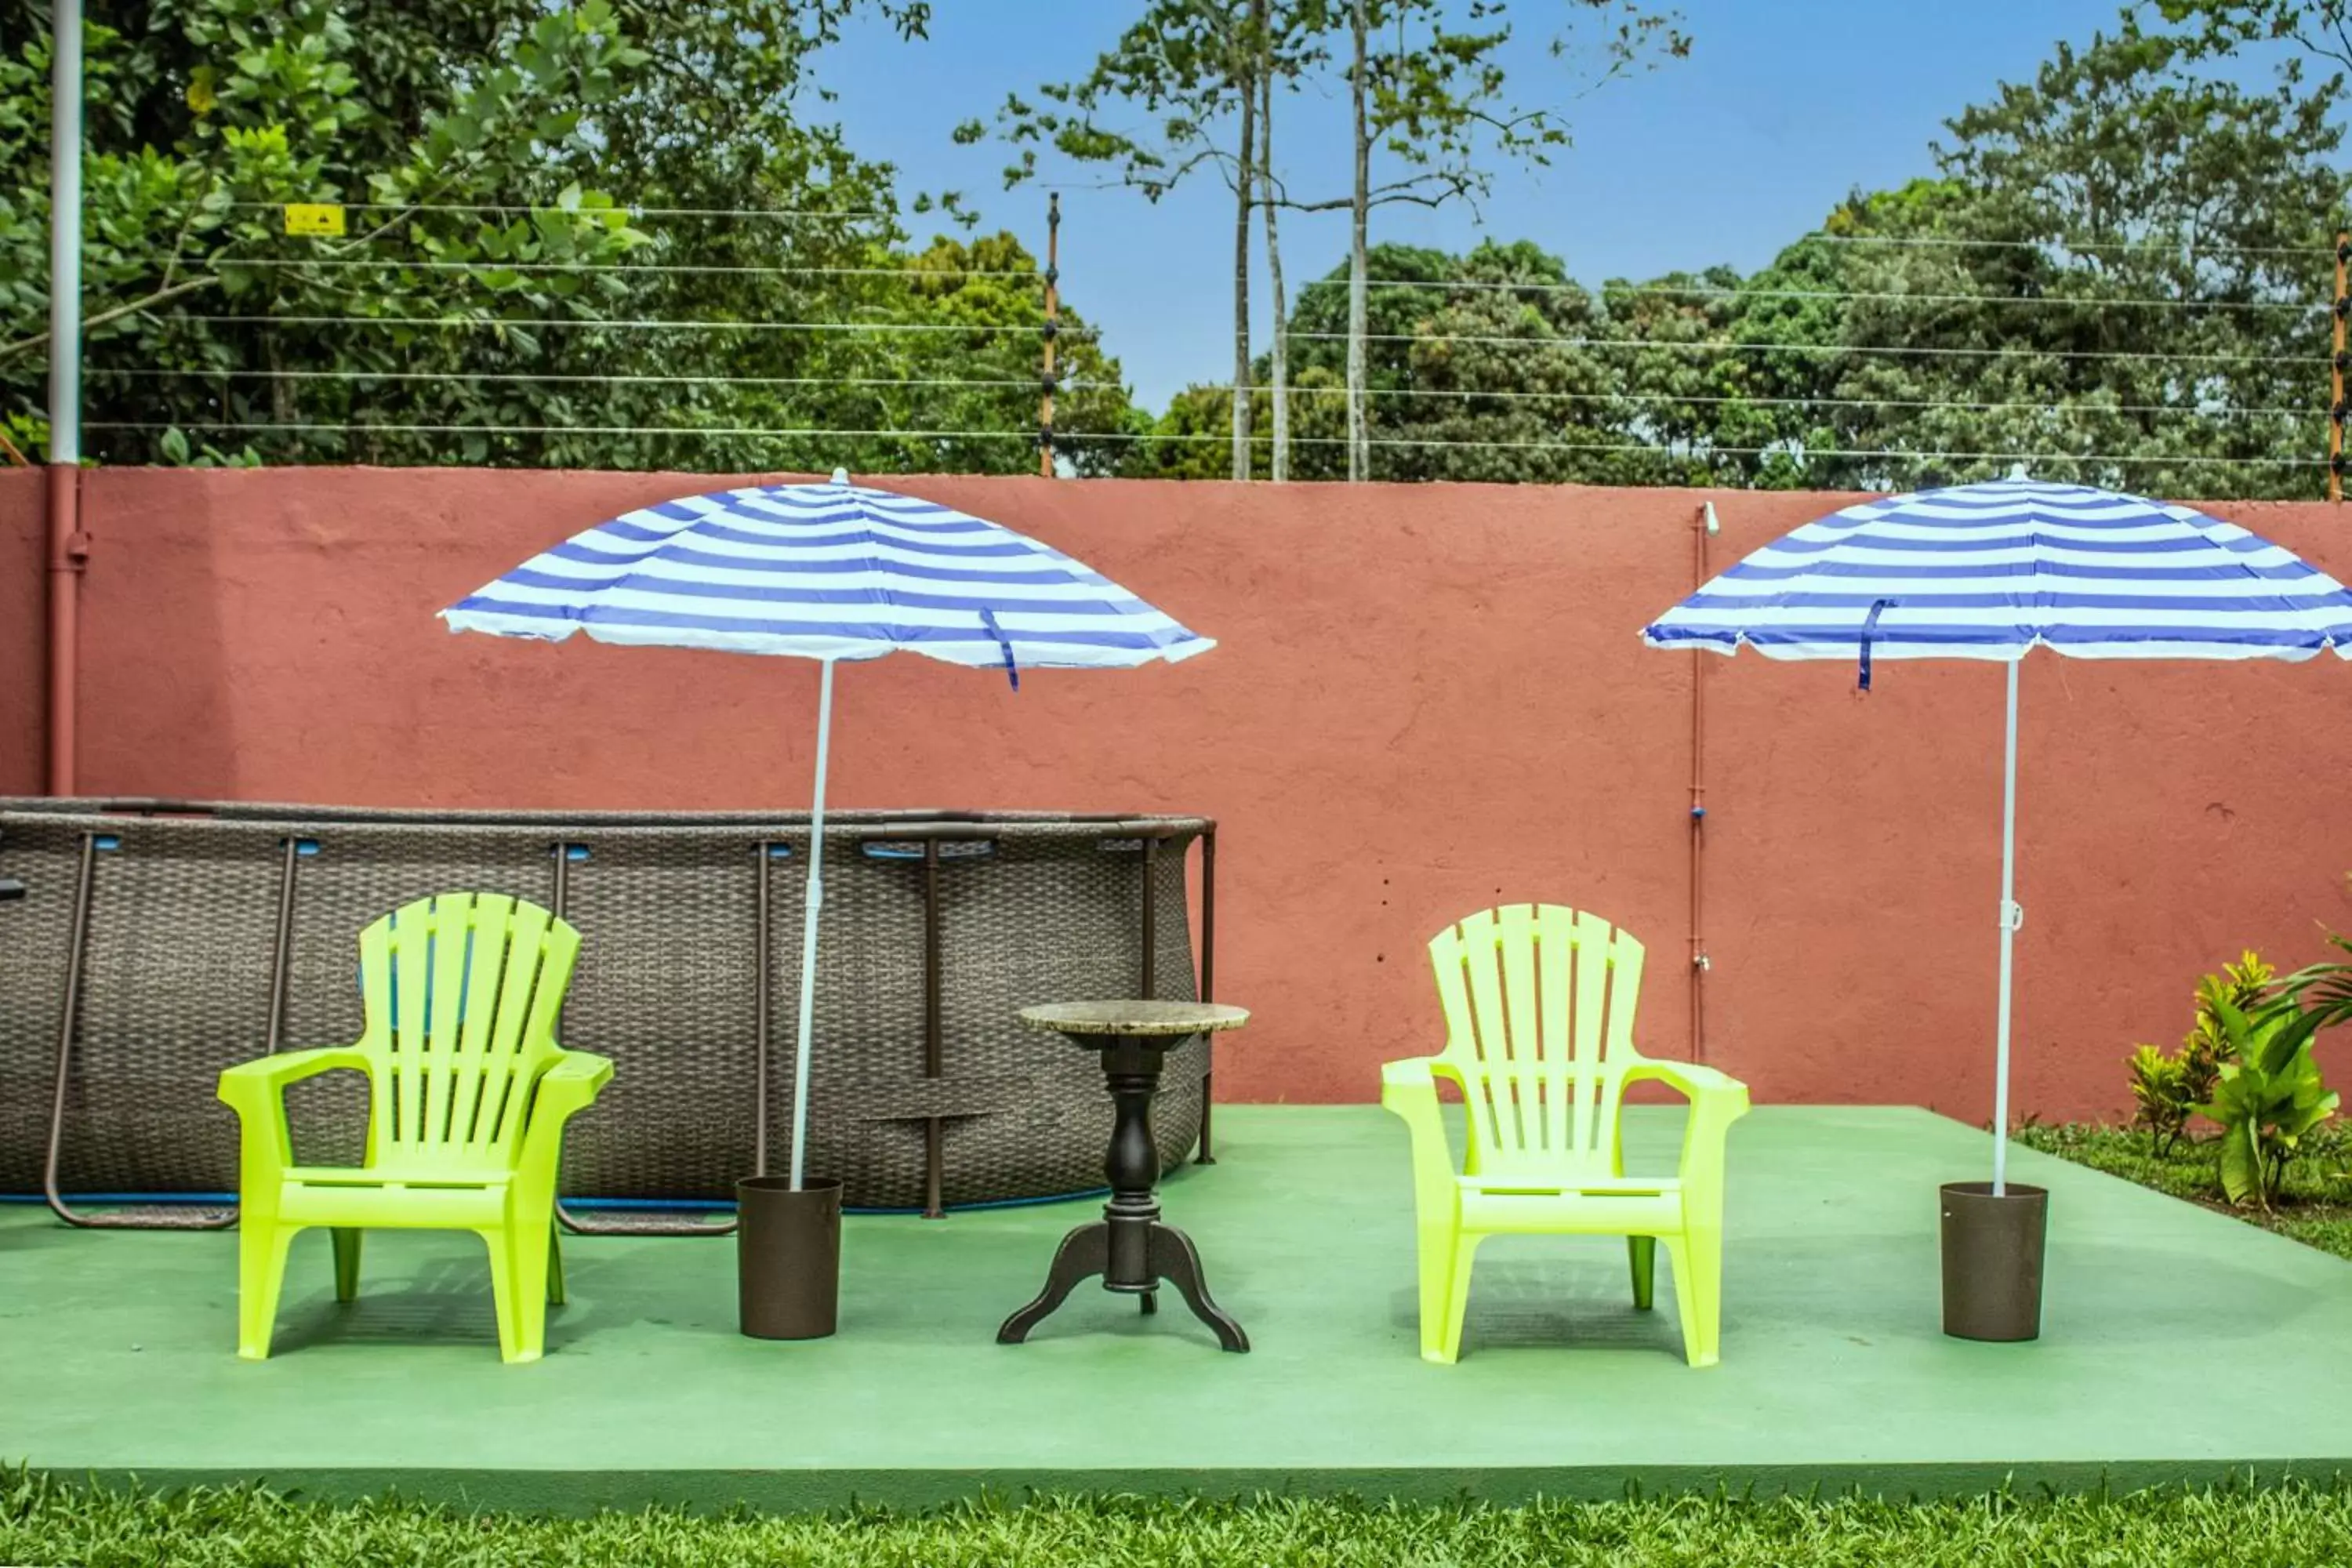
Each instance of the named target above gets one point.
<point>1053,315</point>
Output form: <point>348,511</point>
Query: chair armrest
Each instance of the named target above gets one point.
<point>1409,1090</point>
<point>573,1082</point>
<point>1716,1101</point>
<point>1693,1081</point>
<point>259,1085</point>
<point>257,1093</point>
<point>567,1087</point>
<point>1407,1076</point>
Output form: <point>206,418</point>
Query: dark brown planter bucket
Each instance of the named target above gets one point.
<point>788,1257</point>
<point>1992,1260</point>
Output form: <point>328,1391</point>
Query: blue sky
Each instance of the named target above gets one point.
<point>1782,108</point>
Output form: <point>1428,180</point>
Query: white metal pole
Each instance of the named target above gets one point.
<point>2011,917</point>
<point>808,931</point>
<point>64,233</point>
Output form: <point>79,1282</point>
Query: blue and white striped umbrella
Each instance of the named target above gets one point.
<point>1992,571</point>
<point>1988,571</point>
<point>830,572</point>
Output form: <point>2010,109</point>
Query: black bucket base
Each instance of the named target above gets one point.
<point>788,1258</point>
<point>1992,1260</point>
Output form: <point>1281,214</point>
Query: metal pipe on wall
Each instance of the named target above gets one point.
<point>67,545</point>
<point>1703,523</point>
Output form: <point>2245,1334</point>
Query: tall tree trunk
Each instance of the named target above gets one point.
<point>1359,452</point>
<point>1278,465</point>
<point>1244,58</point>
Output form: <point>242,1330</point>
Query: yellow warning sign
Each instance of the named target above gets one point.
<point>314,217</point>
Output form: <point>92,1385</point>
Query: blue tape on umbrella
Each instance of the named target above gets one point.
<point>1870,625</point>
<point>1011,671</point>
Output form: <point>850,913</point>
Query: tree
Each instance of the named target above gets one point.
<point>261,103</point>
<point>2321,28</point>
<point>1426,89</point>
<point>1434,96</point>
<point>2116,273</point>
<point>603,234</point>
<point>1479,364</point>
<point>1189,66</point>
<point>1285,52</point>
<point>2117,270</point>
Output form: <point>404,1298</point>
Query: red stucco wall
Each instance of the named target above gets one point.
<point>21,629</point>
<point>1428,699</point>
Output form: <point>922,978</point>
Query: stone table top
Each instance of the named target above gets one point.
<point>1134,1017</point>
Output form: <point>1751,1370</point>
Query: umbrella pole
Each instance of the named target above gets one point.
<point>808,932</point>
<point>2011,917</point>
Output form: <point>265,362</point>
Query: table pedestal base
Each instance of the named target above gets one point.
<point>1169,1257</point>
<point>1129,1246</point>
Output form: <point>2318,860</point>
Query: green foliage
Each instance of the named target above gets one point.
<point>2166,1090</point>
<point>1495,365</point>
<point>46,1520</point>
<point>2160,1096</point>
<point>2113,267</point>
<point>2120,204</point>
<point>2322,28</point>
<point>1438,97</point>
<point>2118,258</point>
<point>2313,1205</point>
<point>2324,988</point>
<point>539,178</point>
<point>1179,69</point>
<point>2268,1095</point>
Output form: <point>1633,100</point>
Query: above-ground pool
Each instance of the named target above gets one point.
<point>160,943</point>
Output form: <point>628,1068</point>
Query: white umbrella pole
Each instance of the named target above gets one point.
<point>808,932</point>
<point>2011,917</point>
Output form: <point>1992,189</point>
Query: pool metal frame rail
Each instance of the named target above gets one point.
<point>930,833</point>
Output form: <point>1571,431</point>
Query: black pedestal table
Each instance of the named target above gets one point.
<point>1130,1247</point>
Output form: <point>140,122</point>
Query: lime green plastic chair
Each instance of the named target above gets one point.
<point>468,1094</point>
<point>1540,1039</point>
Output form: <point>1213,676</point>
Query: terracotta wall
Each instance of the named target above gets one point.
<point>1427,700</point>
<point>21,598</point>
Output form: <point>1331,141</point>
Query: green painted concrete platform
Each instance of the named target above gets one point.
<point>116,1350</point>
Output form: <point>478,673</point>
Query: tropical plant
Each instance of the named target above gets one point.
<point>2268,1095</point>
<point>2167,1089</point>
<point>2324,988</point>
<point>2244,985</point>
<point>2160,1100</point>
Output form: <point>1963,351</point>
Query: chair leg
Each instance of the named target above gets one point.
<point>554,1265</point>
<point>1707,1271</point>
<point>1642,1253</point>
<point>1457,1301</point>
<point>528,1303</point>
<point>503,1294</point>
<point>260,1272</point>
<point>346,1262</point>
<point>1697,1261</point>
<point>1436,1262</point>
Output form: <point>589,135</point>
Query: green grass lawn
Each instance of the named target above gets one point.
<point>2316,1208</point>
<point>44,1522</point>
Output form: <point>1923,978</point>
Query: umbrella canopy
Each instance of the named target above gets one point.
<point>1991,571</point>
<point>1988,570</point>
<point>829,571</point>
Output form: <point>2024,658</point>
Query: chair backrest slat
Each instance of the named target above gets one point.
<point>462,995</point>
<point>1539,1003</point>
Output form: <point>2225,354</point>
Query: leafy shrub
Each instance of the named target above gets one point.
<point>2160,1095</point>
<point>2324,988</point>
<point>2166,1090</point>
<point>2267,1095</point>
